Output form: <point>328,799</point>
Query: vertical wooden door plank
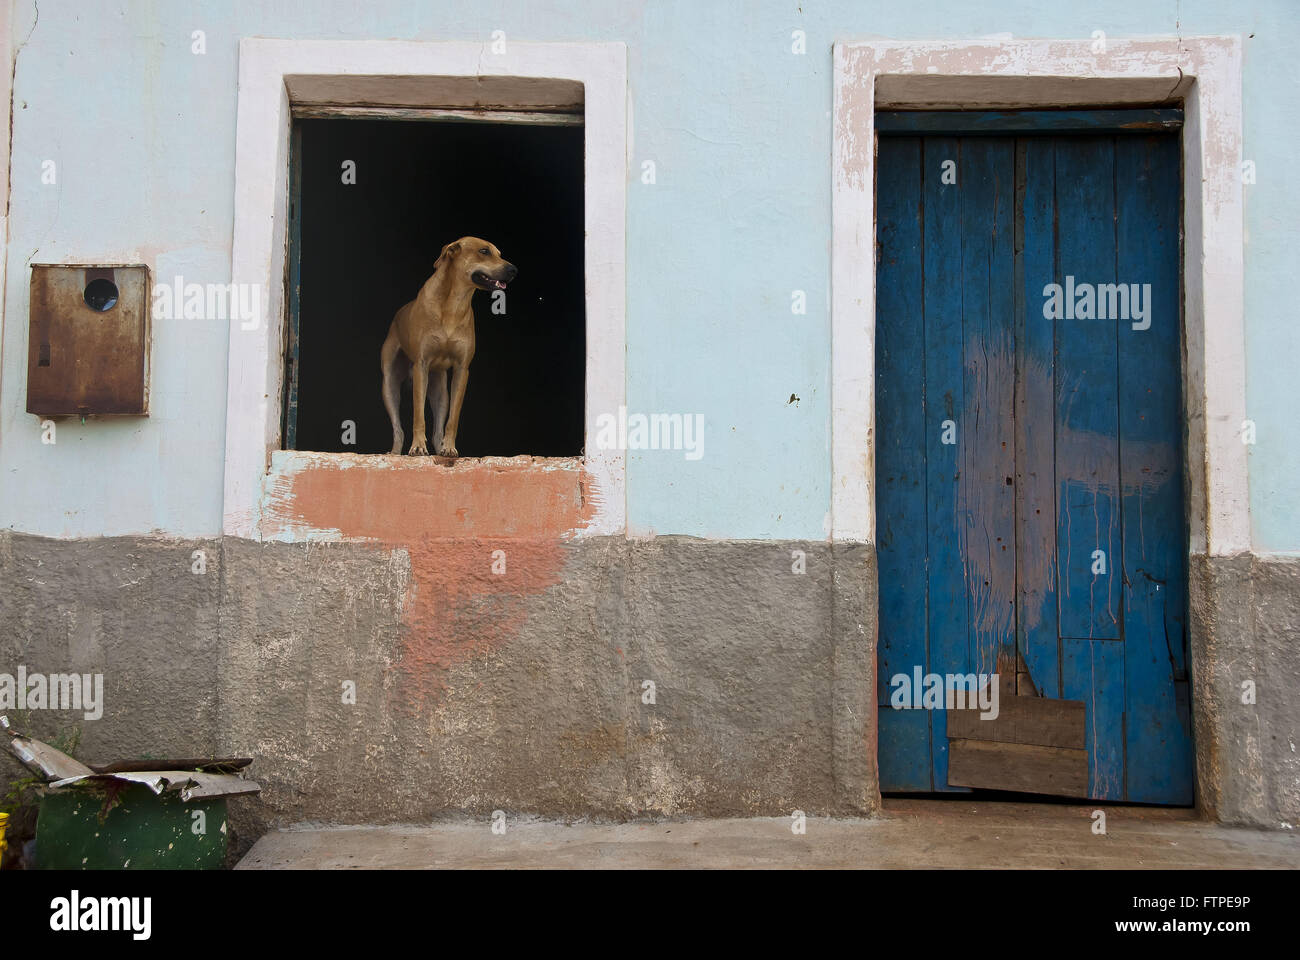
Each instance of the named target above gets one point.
<point>1087,446</point>
<point>1036,619</point>
<point>986,502</point>
<point>1093,671</point>
<point>1158,735</point>
<point>900,409</point>
<point>900,459</point>
<point>945,420</point>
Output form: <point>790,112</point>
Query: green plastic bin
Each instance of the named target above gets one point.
<point>140,830</point>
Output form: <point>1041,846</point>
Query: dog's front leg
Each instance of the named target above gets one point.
<point>437,407</point>
<point>419,390</point>
<point>459,380</point>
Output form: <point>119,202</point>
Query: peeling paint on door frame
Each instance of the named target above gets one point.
<point>1205,72</point>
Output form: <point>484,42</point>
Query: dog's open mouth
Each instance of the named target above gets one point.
<point>482,280</point>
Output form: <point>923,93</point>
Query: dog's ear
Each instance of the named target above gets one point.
<point>449,251</point>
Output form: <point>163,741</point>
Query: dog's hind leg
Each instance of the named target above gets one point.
<point>396,368</point>
<point>437,406</point>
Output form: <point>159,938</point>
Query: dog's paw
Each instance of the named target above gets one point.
<point>418,449</point>
<point>445,449</point>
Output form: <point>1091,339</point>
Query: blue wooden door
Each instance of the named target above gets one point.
<point>1028,436</point>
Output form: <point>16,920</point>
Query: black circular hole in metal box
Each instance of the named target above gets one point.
<point>100,294</point>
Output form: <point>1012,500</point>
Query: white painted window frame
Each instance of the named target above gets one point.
<point>1206,73</point>
<point>255,371</point>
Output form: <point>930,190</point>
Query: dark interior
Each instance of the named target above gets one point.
<point>366,249</point>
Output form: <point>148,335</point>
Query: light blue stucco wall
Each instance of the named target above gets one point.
<point>143,133</point>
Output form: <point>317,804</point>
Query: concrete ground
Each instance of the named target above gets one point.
<point>909,834</point>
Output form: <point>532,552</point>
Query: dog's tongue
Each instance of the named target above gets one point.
<point>500,285</point>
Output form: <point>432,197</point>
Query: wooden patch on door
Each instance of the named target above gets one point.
<point>1039,721</point>
<point>1033,745</point>
<point>1022,767</point>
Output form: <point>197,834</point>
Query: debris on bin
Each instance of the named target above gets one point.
<point>40,758</point>
<point>192,778</point>
<point>132,814</point>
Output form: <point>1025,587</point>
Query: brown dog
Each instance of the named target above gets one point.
<point>434,333</point>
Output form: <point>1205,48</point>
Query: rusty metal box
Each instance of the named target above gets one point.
<point>88,347</point>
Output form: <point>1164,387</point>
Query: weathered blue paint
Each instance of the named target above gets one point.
<point>945,401</point>
<point>1151,458</point>
<point>986,492</point>
<point>1037,622</point>
<point>1093,671</point>
<point>1065,481</point>
<point>1087,451</point>
<point>900,460</point>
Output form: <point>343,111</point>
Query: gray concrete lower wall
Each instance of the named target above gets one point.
<point>525,691</point>
<point>508,692</point>
<point>1245,615</point>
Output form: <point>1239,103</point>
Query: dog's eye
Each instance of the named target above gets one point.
<point>484,251</point>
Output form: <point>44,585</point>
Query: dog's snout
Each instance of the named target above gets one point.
<point>511,271</point>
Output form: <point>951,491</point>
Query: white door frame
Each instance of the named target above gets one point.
<point>989,75</point>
